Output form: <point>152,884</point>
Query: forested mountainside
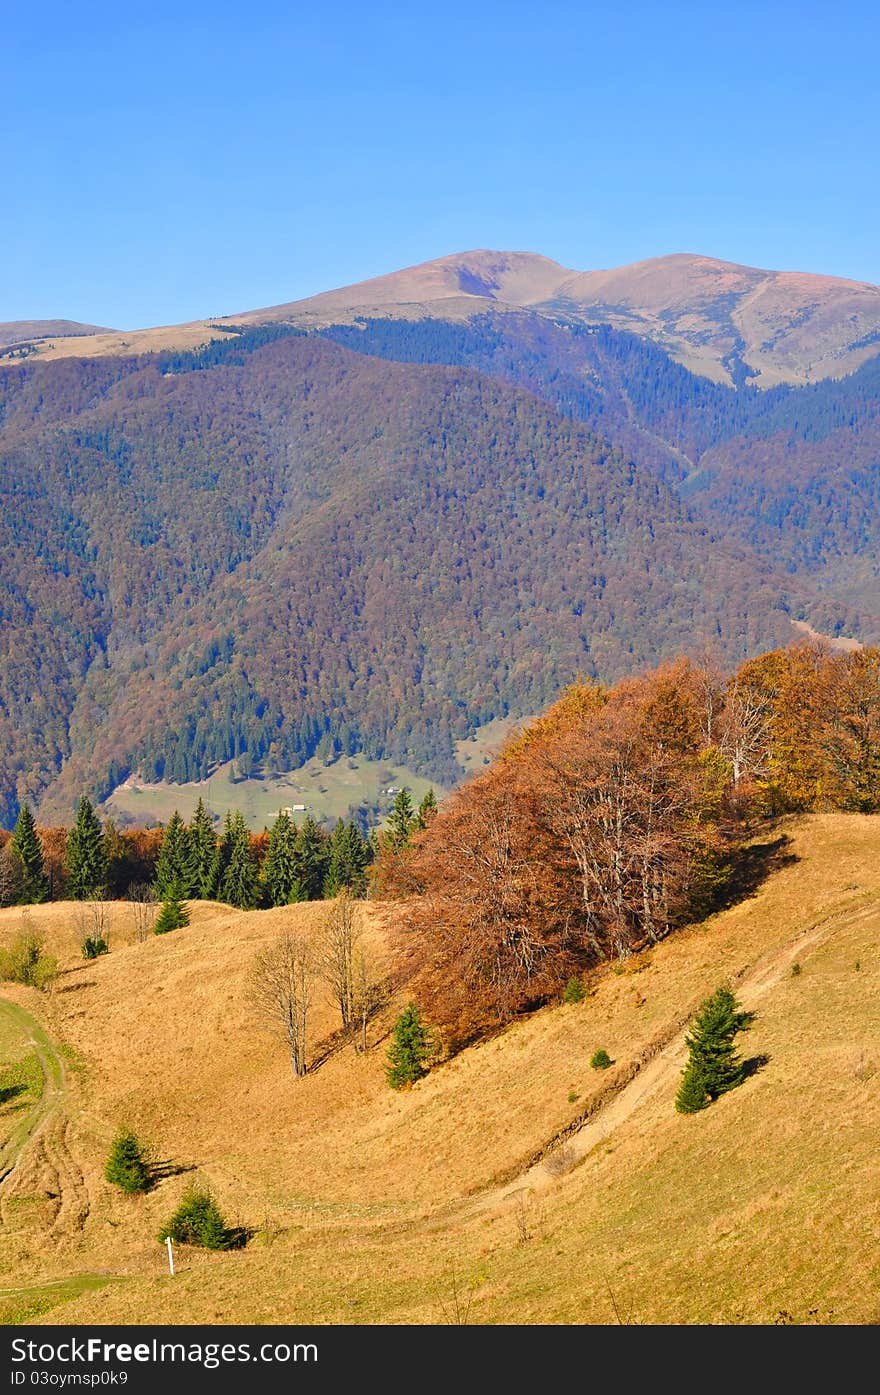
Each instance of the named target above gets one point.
<point>277,544</point>
<point>792,471</point>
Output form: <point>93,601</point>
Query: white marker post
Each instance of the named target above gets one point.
<point>170,1254</point>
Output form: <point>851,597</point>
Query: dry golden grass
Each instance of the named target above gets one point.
<point>364,1200</point>
<point>124,342</point>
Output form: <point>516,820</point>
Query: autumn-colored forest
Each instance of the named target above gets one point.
<point>617,816</point>
<point>281,546</point>
<point>790,472</point>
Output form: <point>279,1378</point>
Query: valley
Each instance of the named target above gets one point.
<point>304,562</point>
<point>369,539</point>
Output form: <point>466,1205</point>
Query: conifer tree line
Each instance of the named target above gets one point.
<point>189,861</point>
<point>616,817</point>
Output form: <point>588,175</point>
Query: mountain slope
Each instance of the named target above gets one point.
<point>369,1204</point>
<point>791,472</point>
<point>20,331</point>
<point>300,546</point>
<point>730,323</point>
<point>725,321</point>
<point>511,278</point>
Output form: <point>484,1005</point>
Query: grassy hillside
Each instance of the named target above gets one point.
<point>370,1206</point>
<point>329,792</point>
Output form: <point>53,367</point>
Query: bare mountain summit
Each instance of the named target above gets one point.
<point>725,321</point>
<point>733,324</point>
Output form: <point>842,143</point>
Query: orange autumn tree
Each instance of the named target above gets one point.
<point>638,798</point>
<point>598,829</point>
<point>491,932</point>
<point>820,744</point>
<point>850,734</point>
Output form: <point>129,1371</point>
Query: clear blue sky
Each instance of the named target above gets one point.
<point>164,162</point>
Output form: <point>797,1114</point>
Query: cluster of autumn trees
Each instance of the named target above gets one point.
<point>607,822</point>
<point>616,817</point>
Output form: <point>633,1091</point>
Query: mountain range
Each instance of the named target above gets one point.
<point>381,517</point>
<point>728,322</point>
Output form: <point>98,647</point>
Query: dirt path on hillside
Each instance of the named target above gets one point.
<point>54,1092</point>
<point>662,1071</point>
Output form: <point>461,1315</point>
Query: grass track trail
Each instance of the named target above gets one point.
<point>661,1070</point>
<point>54,1091</point>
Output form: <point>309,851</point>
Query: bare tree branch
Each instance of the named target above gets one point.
<point>281,990</point>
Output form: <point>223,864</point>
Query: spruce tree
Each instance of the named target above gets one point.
<point>334,881</point>
<point>220,862</point>
<point>173,870</point>
<point>210,890</point>
<point>349,855</point>
<point>11,876</point>
<point>198,1221</point>
<point>410,1048</point>
<point>26,844</point>
<point>214,1234</point>
<point>713,1066</point>
<point>240,882</point>
<point>311,860</point>
<point>86,855</point>
<point>123,864</point>
<point>279,879</point>
<point>692,1094</point>
<point>402,822</point>
<point>202,842</point>
<point>173,915</point>
<point>427,809</point>
<point>127,1166</point>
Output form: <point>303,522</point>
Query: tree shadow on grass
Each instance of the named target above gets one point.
<point>328,1047</point>
<point>753,1064</point>
<point>9,1092</point>
<point>166,1167</point>
<point>331,1045</point>
<point>237,1236</point>
<point>751,868</point>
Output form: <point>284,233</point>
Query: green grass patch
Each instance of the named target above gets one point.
<point>21,1082</point>
<point>329,792</point>
<point>73,1060</point>
<point>19,1305</point>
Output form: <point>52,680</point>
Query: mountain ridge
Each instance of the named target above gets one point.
<point>725,321</point>
<point>14,332</point>
<point>292,543</point>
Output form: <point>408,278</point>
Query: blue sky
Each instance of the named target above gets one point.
<point>164,162</point>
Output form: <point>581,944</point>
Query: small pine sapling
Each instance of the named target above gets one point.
<point>410,1048</point>
<point>173,915</point>
<point>127,1166</point>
